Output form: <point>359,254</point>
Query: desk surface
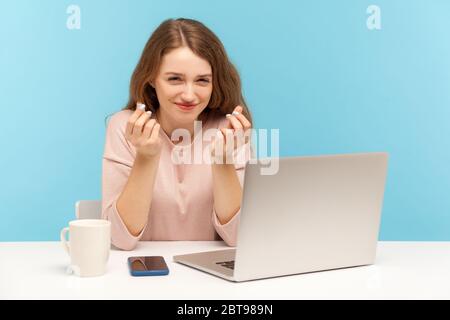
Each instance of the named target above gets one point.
<point>403,270</point>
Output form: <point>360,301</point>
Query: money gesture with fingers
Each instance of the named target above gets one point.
<point>143,132</point>
<point>230,138</point>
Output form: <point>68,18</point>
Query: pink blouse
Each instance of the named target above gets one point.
<point>182,206</point>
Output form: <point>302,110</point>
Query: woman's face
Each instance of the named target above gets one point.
<point>183,85</point>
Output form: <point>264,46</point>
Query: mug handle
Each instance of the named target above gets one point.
<point>63,239</point>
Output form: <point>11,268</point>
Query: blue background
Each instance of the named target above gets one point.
<point>311,68</point>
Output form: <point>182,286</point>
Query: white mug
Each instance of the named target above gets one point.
<point>89,245</point>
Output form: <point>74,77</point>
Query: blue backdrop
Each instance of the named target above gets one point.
<point>314,69</point>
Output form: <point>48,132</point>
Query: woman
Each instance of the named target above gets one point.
<point>183,77</point>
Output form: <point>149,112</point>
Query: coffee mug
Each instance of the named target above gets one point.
<point>88,246</point>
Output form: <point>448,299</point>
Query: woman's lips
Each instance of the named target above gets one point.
<point>186,106</point>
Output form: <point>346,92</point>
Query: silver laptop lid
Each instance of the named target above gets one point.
<point>316,213</point>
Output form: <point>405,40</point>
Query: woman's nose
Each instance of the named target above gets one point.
<point>188,93</point>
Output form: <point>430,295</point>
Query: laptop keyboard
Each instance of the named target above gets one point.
<point>227,264</point>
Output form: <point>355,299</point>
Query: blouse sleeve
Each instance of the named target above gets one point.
<point>228,231</point>
<point>118,159</point>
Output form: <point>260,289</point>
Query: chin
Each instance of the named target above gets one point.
<point>189,113</point>
<point>186,116</point>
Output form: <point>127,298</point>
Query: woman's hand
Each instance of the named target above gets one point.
<point>143,132</point>
<point>229,139</point>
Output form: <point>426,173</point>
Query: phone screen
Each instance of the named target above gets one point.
<point>148,265</point>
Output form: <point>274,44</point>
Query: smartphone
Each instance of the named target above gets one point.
<point>148,266</point>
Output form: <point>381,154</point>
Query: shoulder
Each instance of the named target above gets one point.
<point>116,145</point>
<point>116,127</point>
<point>118,121</point>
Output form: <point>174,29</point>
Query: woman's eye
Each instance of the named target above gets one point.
<point>178,79</point>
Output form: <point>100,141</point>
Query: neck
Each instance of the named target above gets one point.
<point>169,125</point>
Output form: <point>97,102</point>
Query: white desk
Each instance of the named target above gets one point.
<point>403,270</point>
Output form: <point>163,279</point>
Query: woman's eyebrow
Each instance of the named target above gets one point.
<point>180,74</point>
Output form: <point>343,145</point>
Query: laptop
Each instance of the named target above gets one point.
<point>316,213</point>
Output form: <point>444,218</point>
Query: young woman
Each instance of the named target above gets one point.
<point>184,78</point>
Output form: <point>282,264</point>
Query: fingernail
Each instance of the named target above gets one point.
<point>235,113</point>
<point>149,113</point>
<point>228,115</point>
<point>141,106</point>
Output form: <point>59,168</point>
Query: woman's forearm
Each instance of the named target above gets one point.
<point>227,191</point>
<point>134,202</point>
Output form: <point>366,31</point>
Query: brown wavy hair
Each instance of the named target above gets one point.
<point>172,34</point>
